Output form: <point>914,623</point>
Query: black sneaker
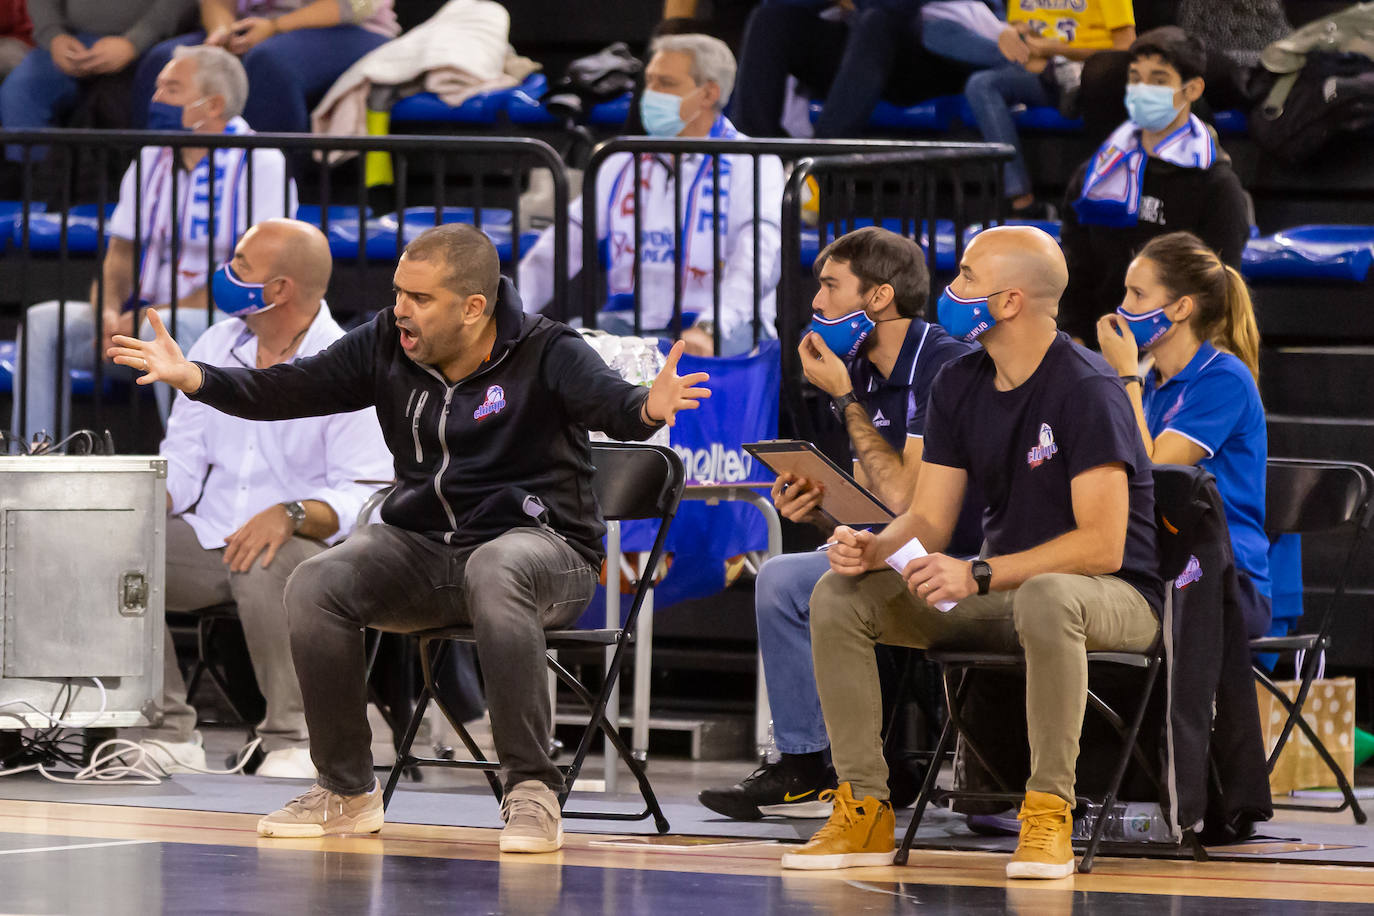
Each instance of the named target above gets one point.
<point>782,789</point>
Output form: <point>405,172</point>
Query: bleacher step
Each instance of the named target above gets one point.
<point>706,737</point>
<point>1326,382</point>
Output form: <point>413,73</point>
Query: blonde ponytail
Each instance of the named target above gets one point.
<point>1238,332</point>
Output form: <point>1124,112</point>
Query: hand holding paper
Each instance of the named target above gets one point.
<point>941,580</point>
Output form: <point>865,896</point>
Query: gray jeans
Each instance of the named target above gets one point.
<point>509,590</point>
<point>197,578</point>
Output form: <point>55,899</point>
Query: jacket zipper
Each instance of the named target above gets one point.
<point>443,440</point>
<point>415,426</point>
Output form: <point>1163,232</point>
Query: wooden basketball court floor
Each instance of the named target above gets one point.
<point>58,858</point>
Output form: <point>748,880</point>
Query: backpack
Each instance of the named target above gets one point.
<point>601,77</point>
<point>1314,84</point>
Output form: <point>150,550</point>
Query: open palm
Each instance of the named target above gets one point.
<point>159,359</point>
<point>672,392</point>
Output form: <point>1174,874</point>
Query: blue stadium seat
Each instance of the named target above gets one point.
<point>482,109</point>
<point>83,380</point>
<point>1333,253</point>
<point>338,213</point>
<point>526,107</point>
<point>1051,226</point>
<point>1231,121</point>
<point>11,216</point>
<point>944,241</point>
<point>1040,118</point>
<point>45,230</point>
<point>937,114</point>
<point>380,244</point>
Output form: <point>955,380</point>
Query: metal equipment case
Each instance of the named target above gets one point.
<point>82,580</point>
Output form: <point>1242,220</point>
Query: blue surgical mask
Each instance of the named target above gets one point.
<point>162,116</point>
<point>237,297</point>
<point>660,112</point>
<point>965,318</point>
<point>844,335</point>
<point>1151,107</point>
<point>1146,327</point>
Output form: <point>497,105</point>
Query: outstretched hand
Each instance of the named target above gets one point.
<point>159,359</point>
<point>672,392</point>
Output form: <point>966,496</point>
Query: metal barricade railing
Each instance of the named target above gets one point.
<point>485,175</point>
<point>917,183</point>
<point>912,190</point>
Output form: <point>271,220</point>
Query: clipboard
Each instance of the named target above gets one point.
<point>846,502</point>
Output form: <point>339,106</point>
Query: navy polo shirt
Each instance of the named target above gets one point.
<point>897,406</point>
<point>1024,447</point>
<point>1214,403</point>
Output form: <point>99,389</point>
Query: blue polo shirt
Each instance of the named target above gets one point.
<point>1214,403</point>
<point>897,406</point>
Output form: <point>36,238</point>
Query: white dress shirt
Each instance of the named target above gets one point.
<point>223,470</point>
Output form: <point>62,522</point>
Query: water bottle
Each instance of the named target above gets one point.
<point>650,361</point>
<point>626,363</point>
<point>1127,822</point>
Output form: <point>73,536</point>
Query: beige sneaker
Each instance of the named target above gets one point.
<point>320,812</point>
<point>534,822</point>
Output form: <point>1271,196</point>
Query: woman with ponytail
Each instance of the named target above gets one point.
<point>1189,317</point>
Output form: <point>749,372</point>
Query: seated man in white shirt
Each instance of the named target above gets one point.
<point>249,501</point>
<point>202,91</point>
<point>686,86</point>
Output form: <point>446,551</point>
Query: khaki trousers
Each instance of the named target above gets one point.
<point>1055,618</point>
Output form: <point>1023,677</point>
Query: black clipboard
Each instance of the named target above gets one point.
<point>846,501</point>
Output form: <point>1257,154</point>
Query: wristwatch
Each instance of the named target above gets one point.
<point>982,574</point>
<point>842,403</point>
<point>296,512</point>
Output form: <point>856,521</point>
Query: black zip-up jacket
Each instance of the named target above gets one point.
<point>468,455</point>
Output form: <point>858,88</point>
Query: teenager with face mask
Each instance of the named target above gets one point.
<point>687,83</point>
<point>1161,171</point>
<point>1198,402</point>
<point>868,349</point>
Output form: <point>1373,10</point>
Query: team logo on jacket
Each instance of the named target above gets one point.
<point>1045,450</point>
<point>1191,573</point>
<point>495,403</point>
<point>880,420</point>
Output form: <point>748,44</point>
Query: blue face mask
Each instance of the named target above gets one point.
<point>162,116</point>
<point>660,112</point>
<point>1147,327</point>
<point>237,297</point>
<point>844,335</point>
<point>964,318</point>
<point>1151,107</point>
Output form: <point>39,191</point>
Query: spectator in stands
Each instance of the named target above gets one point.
<point>687,83</point>
<point>251,501</point>
<point>201,90</point>
<point>723,19</point>
<point>1161,171</point>
<point>1233,32</point>
<point>492,522</point>
<point>1044,44</point>
<point>1198,402</point>
<point>1071,563</point>
<point>874,355</point>
<point>76,40</point>
<point>293,51</point>
<point>16,35</point>
<point>854,52</point>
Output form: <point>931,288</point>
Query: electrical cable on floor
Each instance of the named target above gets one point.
<point>107,763</point>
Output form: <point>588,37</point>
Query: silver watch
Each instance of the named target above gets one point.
<point>296,511</point>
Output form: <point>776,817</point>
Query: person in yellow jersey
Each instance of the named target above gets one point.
<point>1043,45</point>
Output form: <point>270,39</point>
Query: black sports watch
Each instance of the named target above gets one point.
<point>842,403</point>
<point>982,574</point>
<point>296,512</point>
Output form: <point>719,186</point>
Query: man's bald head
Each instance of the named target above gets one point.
<point>1020,257</point>
<point>293,249</point>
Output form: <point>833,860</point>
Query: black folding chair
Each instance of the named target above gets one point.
<point>1310,497</point>
<point>631,482</point>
